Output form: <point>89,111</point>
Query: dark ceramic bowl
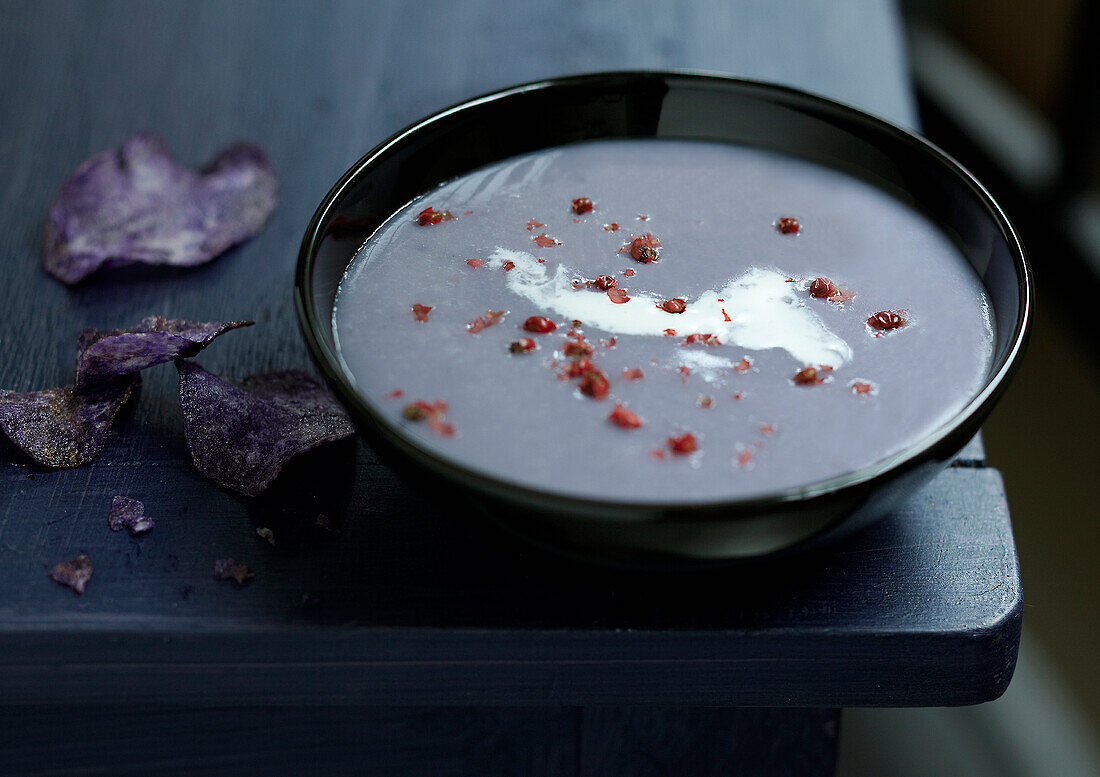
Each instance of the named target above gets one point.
<point>666,105</point>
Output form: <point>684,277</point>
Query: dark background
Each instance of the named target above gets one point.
<point>1036,62</point>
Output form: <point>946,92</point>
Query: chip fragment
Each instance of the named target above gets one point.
<point>75,574</point>
<point>240,436</point>
<point>109,353</point>
<point>229,569</point>
<point>67,426</point>
<point>128,513</point>
<point>63,427</point>
<point>137,205</point>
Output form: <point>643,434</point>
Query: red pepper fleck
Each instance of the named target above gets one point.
<point>822,288</point>
<point>433,412</point>
<point>629,272</point>
<point>861,388</point>
<point>788,226</point>
<point>744,365</point>
<point>670,333</point>
<point>766,429</point>
<point>721,300</point>
<point>644,248</point>
<point>430,216</point>
<point>642,218</point>
<point>577,349</point>
<point>414,411</point>
<point>674,305</point>
<point>395,394</point>
<point>439,426</point>
<point>467,213</point>
<point>576,369</point>
<point>605,282</point>
<point>633,373</point>
<point>885,320</point>
<point>618,296</point>
<point>491,317</point>
<point>807,376</point>
<point>582,205</point>
<point>539,325</point>
<point>546,241</point>
<point>705,402</point>
<point>744,458</point>
<point>533,225</point>
<point>627,419</point>
<point>508,266</point>
<point>612,227</point>
<point>420,312</point>
<point>789,280</point>
<point>685,370</point>
<point>684,444</point>
<point>739,395</point>
<point>523,345</point>
<point>610,343</point>
<point>576,323</point>
<point>705,338</point>
<point>475,263</point>
<point>595,384</point>
<point>726,315</point>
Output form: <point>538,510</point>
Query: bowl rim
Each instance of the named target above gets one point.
<point>910,456</point>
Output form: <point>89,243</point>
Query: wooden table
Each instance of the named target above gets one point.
<point>417,640</point>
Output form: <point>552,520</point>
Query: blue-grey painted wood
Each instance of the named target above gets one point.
<point>704,742</point>
<point>972,454</point>
<point>413,605</point>
<point>418,742</point>
<point>409,607</point>
<point>411,742</point>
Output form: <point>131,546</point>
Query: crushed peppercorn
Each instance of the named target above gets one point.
<point>822,288</point>
<point>885,320</point>
<point>627,419</point>
<point>539,325</point>
<point>644,248</point>
<point>430,216</point>
<point>788,226</point>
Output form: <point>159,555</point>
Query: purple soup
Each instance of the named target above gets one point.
<point>663,321</point>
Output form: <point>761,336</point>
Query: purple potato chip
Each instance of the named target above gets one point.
<point>106,354</point>
<point>241,436</point>
<point>228,569</point>
<point>63,427</point>
<point>75,574</point>
<point>127,513</point>
<point>137,205</point>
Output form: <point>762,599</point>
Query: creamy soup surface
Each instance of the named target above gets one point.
<point>663,321</point>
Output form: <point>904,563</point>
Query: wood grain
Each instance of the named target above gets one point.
<point>409,607</point>
<point>417,742</point>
